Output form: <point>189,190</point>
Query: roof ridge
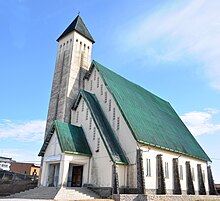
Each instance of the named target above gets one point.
<point>131,81</point>
<point>151,119</point>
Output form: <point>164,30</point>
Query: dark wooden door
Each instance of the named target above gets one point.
<point>77,176</point>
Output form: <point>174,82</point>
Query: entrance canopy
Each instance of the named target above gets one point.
<point>71,139</point>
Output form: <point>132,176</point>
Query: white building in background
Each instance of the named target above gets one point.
<point>5,163</point>
<point>106,132</point>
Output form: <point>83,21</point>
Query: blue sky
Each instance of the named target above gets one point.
<point>171,48</point>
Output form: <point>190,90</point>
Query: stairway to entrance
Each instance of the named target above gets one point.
<point>47,193</point>
<point>75,193</point>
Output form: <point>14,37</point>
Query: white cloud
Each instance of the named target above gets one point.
<point>22,130</point>
<point>18,155</point>
<point>200,123</point>
<point>192,28</point>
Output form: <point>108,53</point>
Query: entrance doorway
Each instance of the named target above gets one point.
<point>77,176</point>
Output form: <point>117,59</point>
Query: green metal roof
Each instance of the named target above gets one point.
<point>79,26</point>
<point>71,139</point>
<point>107,134</point>
<point>151,119</point>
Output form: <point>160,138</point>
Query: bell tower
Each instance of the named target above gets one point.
<point>72,62</point>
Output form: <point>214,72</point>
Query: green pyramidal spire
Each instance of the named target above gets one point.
<point>79,26</point>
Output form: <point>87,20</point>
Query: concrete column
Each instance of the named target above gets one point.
<point>140,172</point>
<point>202,190</point>
<point>43,177</point>
<point>189,181</point>
<point>212,189</point>
<point>63,173</point>
<point>161,185</point>
<point>176,178</point>
<point>115,183</point>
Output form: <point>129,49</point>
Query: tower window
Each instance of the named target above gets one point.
<point>97,82</point>
<point>71,40</point>
<point>60,46</point>
<point>105,96</point>
<point>87,113</point>
<point>166,170</point>
<point>118,123</point>
<point>113,113</point>
<point>101,89</point>
<point>63,44</point>
<point>148,168</point>
<point>67,42</point>
<point>91,85</point>
<point>88,47</point>
<point>94,132</point>
<point>80,43</point>
<point>90,123</point>
<point>77,116</point>
<point>110,105</point>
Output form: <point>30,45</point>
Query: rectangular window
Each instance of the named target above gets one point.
<point>98,145</point>
<point>97,82</point>
<point>90,123</point>
<point>94,74</point>
<point>181,172</point>
<point>118,123</point>
<point>193,174</point>
<point>148,168</point>
<point>110,105</point>
<point>101,89</point>
<point>113,114</point>
<point>203,175</point>
<point>87,113</point>
<point>77,116</point>
<point>105,96</point>
<point>94,131</point>
<point>91,85</point>
<point>166,170</point>
<point>82,105</point>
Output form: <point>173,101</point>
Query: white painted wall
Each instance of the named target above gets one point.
<point>67,161</point>
<point>124,135</point>
<point>53,147</point>
<point>100,164</point>
<point>150,152</point>
<point>52,156</point>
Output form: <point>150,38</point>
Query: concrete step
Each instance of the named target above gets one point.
<point>37,193</point>
<point>73,193</point>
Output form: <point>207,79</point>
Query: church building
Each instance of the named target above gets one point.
<point>106,132</point>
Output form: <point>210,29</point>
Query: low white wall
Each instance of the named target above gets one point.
<point>151,181</point>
